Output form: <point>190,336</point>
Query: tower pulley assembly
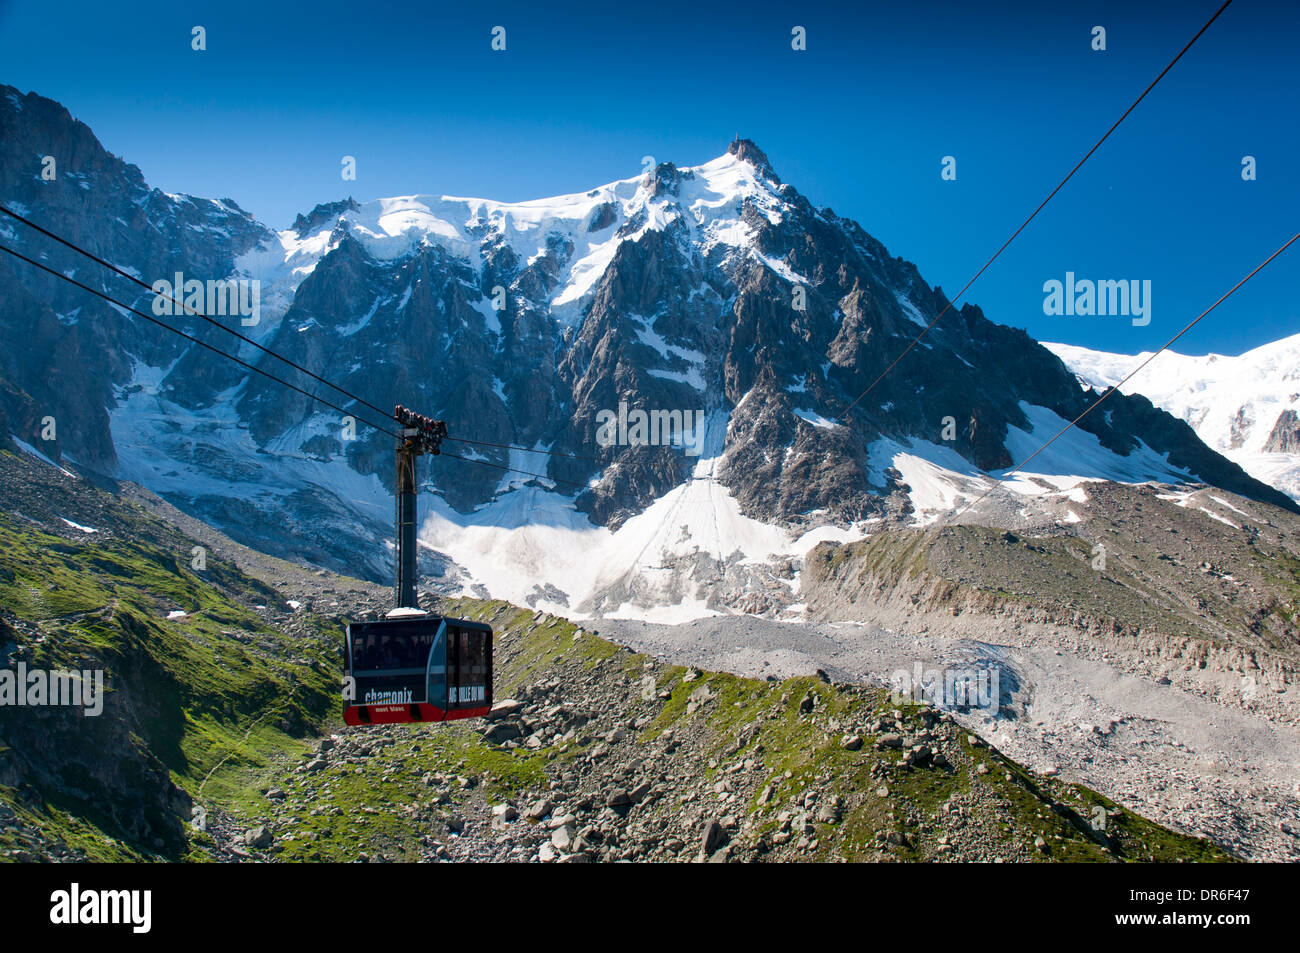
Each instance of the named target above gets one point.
<point>416,434</point>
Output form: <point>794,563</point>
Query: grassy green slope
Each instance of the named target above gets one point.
<point>187,700</point>
<point>226,706</point>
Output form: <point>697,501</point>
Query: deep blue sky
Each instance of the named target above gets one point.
<point>858,122</point>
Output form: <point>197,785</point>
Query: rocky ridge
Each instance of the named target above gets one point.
<point>717,288</point>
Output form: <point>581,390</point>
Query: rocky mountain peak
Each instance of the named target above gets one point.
<point>721,320</point>
<point>322,213</point>
<point>747,151</point>
<point>666,179</point>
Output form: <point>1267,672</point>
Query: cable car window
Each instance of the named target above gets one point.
<point>389,660</point>
<point>469,667</point>
<point>374,651</point>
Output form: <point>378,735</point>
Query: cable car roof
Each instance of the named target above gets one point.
<point>405,612</point>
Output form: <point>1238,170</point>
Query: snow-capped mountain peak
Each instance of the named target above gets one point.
<point>707,199</point>
<point>1246,407</point>
<point>712,302</point>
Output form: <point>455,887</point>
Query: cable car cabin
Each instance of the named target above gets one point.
<point>414,666</point>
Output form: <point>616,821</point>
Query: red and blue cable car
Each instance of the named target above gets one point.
<point>415,666</point>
